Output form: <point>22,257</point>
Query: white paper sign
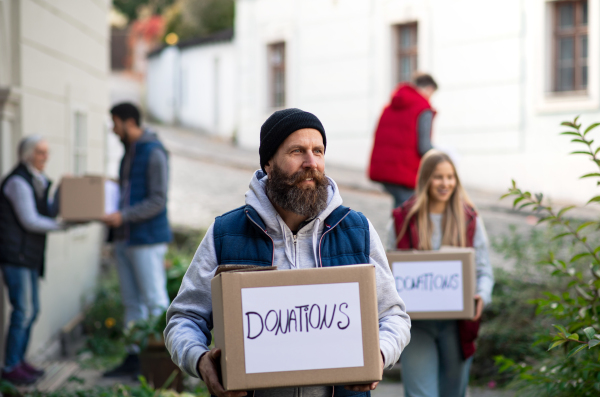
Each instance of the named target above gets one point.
<point>435,286</point>
<point>111,197</point>
<point>302,327</point>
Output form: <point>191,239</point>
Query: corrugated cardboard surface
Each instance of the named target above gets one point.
<point>466,256</point>
<point>82,198</point>
<point>228,327</point>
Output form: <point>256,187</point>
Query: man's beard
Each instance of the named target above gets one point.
<point>285,191</point>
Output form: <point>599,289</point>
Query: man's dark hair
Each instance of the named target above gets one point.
<point>425,80</point>
<point>126,111</point>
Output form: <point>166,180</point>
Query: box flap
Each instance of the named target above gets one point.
<point>242,268</point>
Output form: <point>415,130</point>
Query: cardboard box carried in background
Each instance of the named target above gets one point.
<point>436,285</point>
<point>87,198</point>
<point>286,328</point>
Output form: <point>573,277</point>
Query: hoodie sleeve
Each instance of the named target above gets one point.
<point>394,323</point>
<point>483,267</point>
<point>189,318</point>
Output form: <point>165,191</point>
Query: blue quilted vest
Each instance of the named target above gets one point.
<point>155,230</point>
<point>241,238</point>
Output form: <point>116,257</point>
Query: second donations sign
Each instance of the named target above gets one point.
<point>435,284</point>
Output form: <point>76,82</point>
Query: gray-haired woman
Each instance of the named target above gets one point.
<point>26,213</point>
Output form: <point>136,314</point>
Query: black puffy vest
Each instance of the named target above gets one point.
<point>19,247</point>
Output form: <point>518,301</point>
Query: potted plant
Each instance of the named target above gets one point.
<point>155,361</point>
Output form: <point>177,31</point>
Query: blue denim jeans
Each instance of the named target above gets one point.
<point>432,363</point>
<point>22,284</point>
<point>142,279</point>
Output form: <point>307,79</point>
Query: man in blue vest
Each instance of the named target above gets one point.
<point>140,228</point>
<point>293,219</point>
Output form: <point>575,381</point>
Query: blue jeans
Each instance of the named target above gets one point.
<point>142,279</point>
<point>22,284</point>
<point>432,363</point>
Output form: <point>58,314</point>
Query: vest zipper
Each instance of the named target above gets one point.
<point>324,233</point>
<point>295,251</point>
<point>265,232</point>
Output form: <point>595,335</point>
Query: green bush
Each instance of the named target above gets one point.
<point>572,368</point>
<point>513,291</point>
<point>103,319</point>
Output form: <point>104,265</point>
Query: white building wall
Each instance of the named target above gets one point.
<point>60,64</point>
<point>161,85</point>
<point>208,88</point>
<point>195,86</point>
<point>491,61</point>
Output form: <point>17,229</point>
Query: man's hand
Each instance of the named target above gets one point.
<point>113,220</point>
<point>368,386</point>
<point>478,307</point>
<point>207,366</point>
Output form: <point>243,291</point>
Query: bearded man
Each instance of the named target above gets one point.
<point>293,219</point>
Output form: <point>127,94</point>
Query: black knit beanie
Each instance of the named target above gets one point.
<point>282,124</point>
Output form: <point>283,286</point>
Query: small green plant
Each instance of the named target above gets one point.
<point>143,332</point>
<point>572,367</point>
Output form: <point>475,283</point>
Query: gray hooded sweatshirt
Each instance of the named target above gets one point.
<point>189,316</point>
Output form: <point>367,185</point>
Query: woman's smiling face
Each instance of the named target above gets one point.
<point>443,183</point>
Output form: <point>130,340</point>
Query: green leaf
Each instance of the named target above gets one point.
<point>576,140</point>
<point>525,205</point>
<point>570,133</point>
<point>573,337</point>
<point>562,211</point>
<point>560,328</point>
<point>586,224</point>
<point>594,199</point>
<point>577,350</point>
<point>581,152</point>
<point>568,124</point>
<point>593,174</point>
<point>590,332</point>
<point>548,218</point>
<point>558,343</point>
<point>517,200</point>
<point>593,343</point>
<point>591,127</point>
<point>561,235</point>
<point>579,256</point>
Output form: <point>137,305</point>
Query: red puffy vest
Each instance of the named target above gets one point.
<point>467,330</point>
<point>395,158</point>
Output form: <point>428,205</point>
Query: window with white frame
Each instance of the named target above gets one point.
<point>406,51</point>
<point>276,64</point>
<point>570,46</point>
<point>80,143</point>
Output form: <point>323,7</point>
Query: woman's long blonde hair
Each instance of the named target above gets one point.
<point>454,228</point>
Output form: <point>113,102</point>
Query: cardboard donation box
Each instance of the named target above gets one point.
<point>88,198</point>
<point>285,328</point>
<point>436,285</point>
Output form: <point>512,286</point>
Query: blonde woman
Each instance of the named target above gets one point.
<point>437,360</point>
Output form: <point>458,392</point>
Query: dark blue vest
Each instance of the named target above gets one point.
<point>241,238</point>
<point>155,230</point>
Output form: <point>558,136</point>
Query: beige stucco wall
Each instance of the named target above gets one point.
<point>58,53</point>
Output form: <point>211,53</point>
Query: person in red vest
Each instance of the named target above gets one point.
<point>438,358</point>
<point>402,137</point>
